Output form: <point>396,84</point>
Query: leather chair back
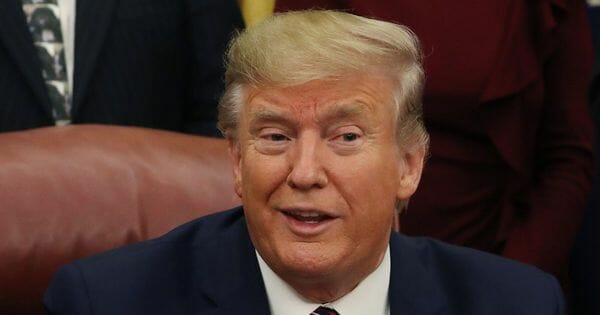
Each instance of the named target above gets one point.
<point>70,192</point>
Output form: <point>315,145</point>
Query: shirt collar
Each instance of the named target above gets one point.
<point>369,297</point>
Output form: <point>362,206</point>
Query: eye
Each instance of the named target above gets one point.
<point>347,140</point>
<point>349,136</point>
<point>272,134</point>
<point>275,137</point>
<point>272,140</point>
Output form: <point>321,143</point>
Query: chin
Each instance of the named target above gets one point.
<point>310,261</point>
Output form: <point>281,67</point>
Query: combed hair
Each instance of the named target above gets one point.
<point>293,48</point>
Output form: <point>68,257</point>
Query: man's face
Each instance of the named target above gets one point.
<point>319,170</point>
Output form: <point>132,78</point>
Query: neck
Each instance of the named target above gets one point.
<point>325,292</point>
<point>328,288</point>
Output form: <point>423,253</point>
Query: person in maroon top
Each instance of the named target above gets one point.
<point>511,136</point>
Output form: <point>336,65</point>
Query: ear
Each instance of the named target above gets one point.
<point>410,172</point>
<point>236,160</point>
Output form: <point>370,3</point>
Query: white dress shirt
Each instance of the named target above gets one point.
<point>369,297</point>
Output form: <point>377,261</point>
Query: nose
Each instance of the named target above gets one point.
<point>307,171</point>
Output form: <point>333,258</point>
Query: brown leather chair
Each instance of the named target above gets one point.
<point>69,192</point>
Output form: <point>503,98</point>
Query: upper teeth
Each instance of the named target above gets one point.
<point>306,214</point>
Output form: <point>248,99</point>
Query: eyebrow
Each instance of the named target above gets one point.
<point>343,111</point>
<point>263,115</point>
<point>340,111</point>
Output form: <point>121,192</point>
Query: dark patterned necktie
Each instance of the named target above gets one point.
<point>323,310</point>
<point>43,18</point>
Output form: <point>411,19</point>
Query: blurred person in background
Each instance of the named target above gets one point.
<point>505,102</point>
<point>151,63</point>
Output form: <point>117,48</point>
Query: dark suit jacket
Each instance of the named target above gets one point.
<point>505,102</point>
<point>208,266</point>
<point>152,63</point>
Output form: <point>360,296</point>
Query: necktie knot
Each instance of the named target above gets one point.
<point>324,310</point>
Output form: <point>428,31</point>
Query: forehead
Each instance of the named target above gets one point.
<point>356,96</point>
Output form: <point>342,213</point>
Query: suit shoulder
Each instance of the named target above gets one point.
<point>160,271</point>
<point>470,279</point>
<point>473,260</point>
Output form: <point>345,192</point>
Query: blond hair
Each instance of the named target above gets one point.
<point>293,48</point>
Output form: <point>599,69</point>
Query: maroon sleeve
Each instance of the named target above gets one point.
<point>564,150</point>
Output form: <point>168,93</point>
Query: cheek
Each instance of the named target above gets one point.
<point>370,190</point>
<point>261,176</point>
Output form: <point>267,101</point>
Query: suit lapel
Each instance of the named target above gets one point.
<point>15,35</point>
<point>229,274</point>
<point>412,290</point>
<point>92,21</point>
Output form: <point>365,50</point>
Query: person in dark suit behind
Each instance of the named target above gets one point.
<point>149,63</point>
<point>322,111</point>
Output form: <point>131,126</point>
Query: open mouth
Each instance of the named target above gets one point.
<point>309,217</point>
